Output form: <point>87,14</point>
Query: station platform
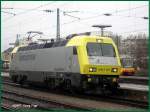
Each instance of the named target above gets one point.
<point>131,86</point>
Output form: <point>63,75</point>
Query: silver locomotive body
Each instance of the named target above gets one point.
<point>42,65</point>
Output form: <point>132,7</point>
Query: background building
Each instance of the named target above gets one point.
<point>6,55</point>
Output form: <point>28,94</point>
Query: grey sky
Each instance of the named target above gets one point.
<point>126,17</point>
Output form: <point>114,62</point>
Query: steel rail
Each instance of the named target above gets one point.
<point>42,102</point>
<point>6,107</point>
<point>113,99</point>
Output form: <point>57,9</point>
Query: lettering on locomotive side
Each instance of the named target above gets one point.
<point>27,57</point>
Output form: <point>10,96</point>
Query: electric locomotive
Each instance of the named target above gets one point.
<point>81,62</point>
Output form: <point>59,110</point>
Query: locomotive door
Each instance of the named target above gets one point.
<point>69,57</point>
<point>72,60</point>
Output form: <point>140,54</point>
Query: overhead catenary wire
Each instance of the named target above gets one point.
<point>93,17</point>
<point>34,9</point>
<point>54,9</point>
<point>9,12</point>
<point>27,11</point>
<point>81,19</point>
<point>102,14</point>
<point>70,22</point>
<point>96,15</point>
<point>145,29</point>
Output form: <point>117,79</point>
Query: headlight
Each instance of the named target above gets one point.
<point>92,69</point>
<point>99,40</point>
<point>114,70</point>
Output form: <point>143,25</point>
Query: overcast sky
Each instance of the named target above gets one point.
<point>126,17</point>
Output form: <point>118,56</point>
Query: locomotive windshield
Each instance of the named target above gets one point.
<point>100,49</point>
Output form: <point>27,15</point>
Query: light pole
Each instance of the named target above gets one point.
<point>58,20</point>
<point>58,23</point>
<point>58,26</point>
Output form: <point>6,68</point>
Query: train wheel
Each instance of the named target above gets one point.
<point>82,88</point>
<point>68,86</point>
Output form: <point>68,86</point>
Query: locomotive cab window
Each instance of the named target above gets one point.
<point>108,50</point>
<point>100,49</point>
<point>94,49</point>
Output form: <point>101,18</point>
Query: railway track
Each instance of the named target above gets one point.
<point>117,99</point>
<point>36,102</point>
<point>112,99</point>
<point>10,104</point>
<point>134,80</point>
<point>20,101</point>
<point>6,107</point>
<point>130,102</point>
